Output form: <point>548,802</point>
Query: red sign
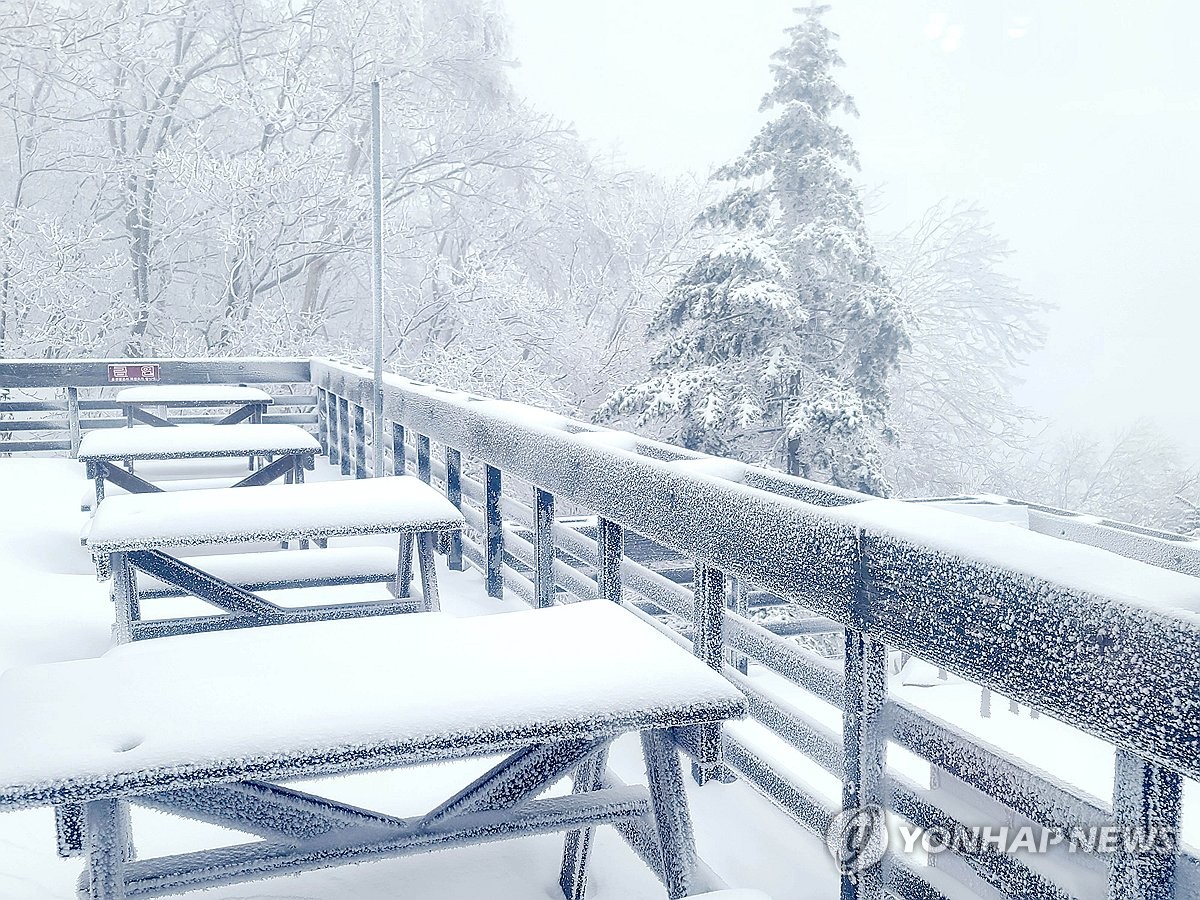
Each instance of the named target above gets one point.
<point>118,374</point>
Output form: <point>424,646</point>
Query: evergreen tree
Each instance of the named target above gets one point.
<point>780,339</point>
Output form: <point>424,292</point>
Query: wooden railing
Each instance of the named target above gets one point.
<point>1121,664</point>
<point>1111,648</point>
<point>57,400</point>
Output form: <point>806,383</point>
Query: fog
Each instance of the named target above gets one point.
<point>1076,125</point>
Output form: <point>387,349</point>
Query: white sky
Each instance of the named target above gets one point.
<point>1076,124</point>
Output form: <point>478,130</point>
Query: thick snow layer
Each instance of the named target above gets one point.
<point>331,686</point>
<point>186,441</point>
<point>271,512</point>
<point>749,841</point>
<point>1082,568</point>
<point>192,393</point>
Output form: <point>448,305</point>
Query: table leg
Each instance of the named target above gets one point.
<point>404,567</point>
<point>128,424</point>
<point>429,591</point>
<point>578,844</point>
<point>673,822</point>
<point>125,597</point>
<point>109,848</point>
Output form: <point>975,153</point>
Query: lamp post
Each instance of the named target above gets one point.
<point>377,276</point>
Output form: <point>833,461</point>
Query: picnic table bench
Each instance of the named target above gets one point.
<point>250,403</point>
<point>101,451</point>
<point>128,534</point>
<point>208,726</point>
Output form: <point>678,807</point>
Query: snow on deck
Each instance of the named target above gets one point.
<point>53,609</point>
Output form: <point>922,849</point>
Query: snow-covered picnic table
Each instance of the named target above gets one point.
<point>250,403</point>
<point>129,532</point>
<point>102,451</point>
<point>551,687</point>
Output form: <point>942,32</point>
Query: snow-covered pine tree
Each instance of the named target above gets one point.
<point>778,341</point>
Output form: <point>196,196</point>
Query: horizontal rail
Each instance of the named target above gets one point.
<point>985,768</point>
<point>1003,620</point>
<point>33,446</point>
<point>34,373</point>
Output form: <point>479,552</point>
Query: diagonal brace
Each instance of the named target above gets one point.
<point>517,779</point>
<point>246,862</point>
<point>238,415</point>
<point>267,810</point>
<point>127,481</point>
<point>209,588</point>
<point>149,418</point>
<point>269,472</point>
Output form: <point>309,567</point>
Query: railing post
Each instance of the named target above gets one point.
<point>494,536</point>
<point>740,605</point>
<point>360,442</point>
<point>398,459</point>
<point>1146,810</point>
<point>344,434</point>
<point>708,590</point>
<point>331,413</point>
<point>454,495</point>
<point>543,548</point>
<point>864,739</point>
<point>424,469</point>
<point>322,421</point>
<point>610,541</point>
<point>73,419</point>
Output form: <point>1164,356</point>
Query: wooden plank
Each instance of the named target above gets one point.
<point>423,460</point>
<point>32,373</point>
<point>360,442</point>
<point>9,406</point>
<point>494,534</point>
<point>454,494</point>
<point>73,417</point>
<point>323,420</point>
<point>543,544</point>
<point>343,406</point>
<point>610,552</point>
<point>1146,805</point>
<point>864,749</point>
<point>708,588</point>
<point>33,446</point>
<point>34,425</point>
<point>399,461</point>
<point>94,404</point>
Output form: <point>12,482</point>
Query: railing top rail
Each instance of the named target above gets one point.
<point>1108,644</point>
<point>35,373</point>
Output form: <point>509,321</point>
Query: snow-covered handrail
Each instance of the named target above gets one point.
<point>1107,644</point>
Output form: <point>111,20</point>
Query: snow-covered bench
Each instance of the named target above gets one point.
<point>129,533</point>
<point>250,403</point>
<point>102,450</point>
<point>207,726</point>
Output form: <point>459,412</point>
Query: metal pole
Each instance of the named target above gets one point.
<point>377,276</point>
